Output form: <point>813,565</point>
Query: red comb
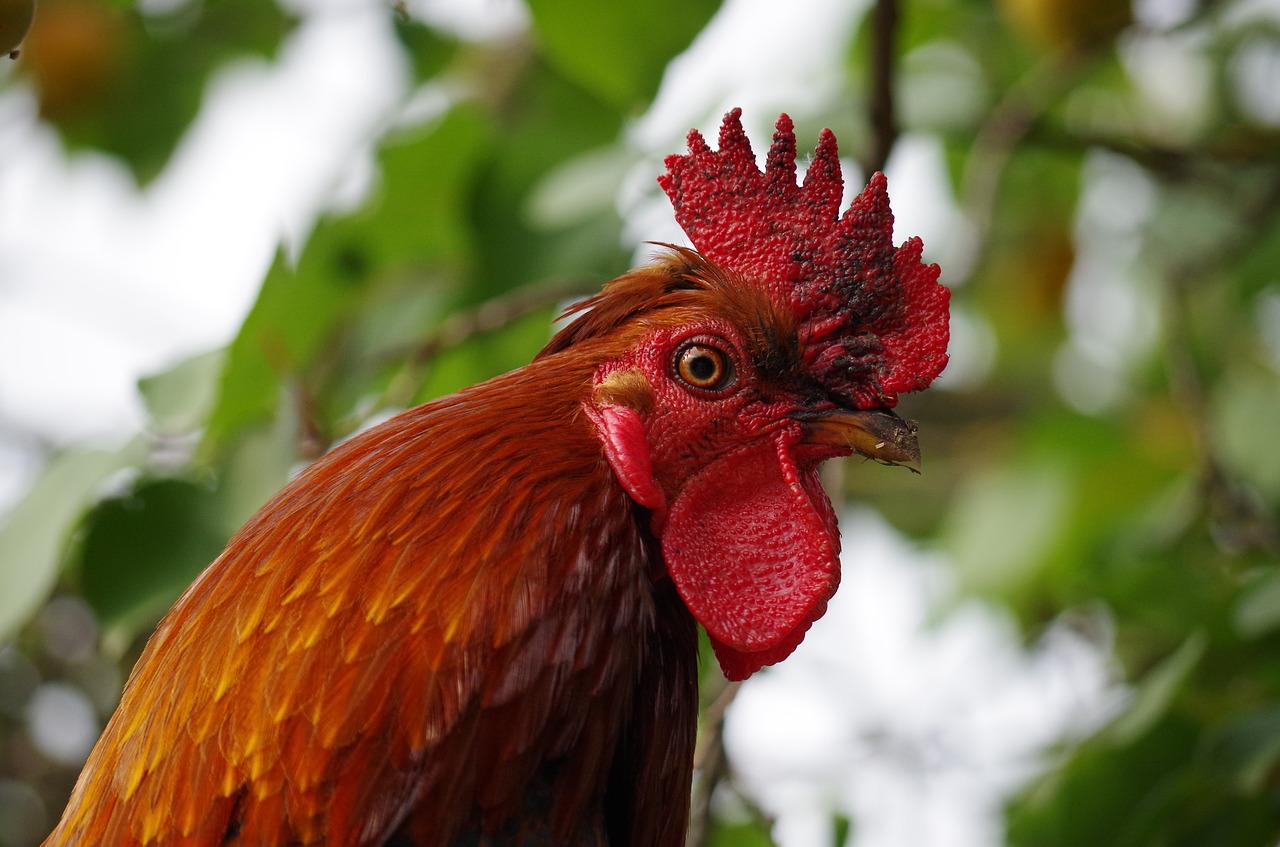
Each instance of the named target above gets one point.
<point>873,319</point>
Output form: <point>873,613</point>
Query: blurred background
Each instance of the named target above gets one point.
<point>234,233</point>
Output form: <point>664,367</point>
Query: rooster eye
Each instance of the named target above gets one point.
<point>705,367</point>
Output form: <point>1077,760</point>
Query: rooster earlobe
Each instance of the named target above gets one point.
<point>625,446</point>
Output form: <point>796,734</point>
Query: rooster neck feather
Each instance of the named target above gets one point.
<point>490,598</point>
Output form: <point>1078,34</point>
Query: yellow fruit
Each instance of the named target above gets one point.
<point>73,56</point>
<point>15,20</point>
<point>1067,25</point>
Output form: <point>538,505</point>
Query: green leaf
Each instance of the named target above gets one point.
<point>618,50</point>
<point>485,356</point>
<point>98,69</point>
<point>1246,407</point>
<point>1257,612</point>
<point>744,834</point>
<point>1156,693</point>
<point>139,551</point>
<point>254,465</point>
<point>429,51</point>
<point>292,318</point>
<point>1246,750</point>
<point>518,243</point>
<point>33,538</point>
<point>179,400</point>
<point>1107,794</point>
<point>841,830</point>
<point>412,226</point>
<point>579,189</point>
<point>1005,524</point>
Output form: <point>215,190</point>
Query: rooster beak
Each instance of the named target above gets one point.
<point>878,434</point>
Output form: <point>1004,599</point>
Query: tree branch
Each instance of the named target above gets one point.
<point>1237,518</point>
<point>1005,128</point>
<point>881,109</point>
<point>710,764</point>
<point>462,326</point>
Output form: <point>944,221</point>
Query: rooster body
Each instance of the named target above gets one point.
<point>474,624</point>
<point>470,636</point>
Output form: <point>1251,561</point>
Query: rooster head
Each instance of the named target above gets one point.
<point>726,374</point>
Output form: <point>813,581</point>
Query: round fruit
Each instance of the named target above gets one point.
<point>15,20</point>
<point>1067,25</point>
<point>73,56</point>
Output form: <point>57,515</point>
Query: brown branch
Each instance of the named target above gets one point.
<point>712,770</point>
<point>1005,128</point>
<point>461,327</point>
<point>496,314</point>
<point>710,764</point>
<point>1238,520</point>
<point>1177,163</point>
<point>1016,120</point>
<point>881,109</point>
<point>312,440</point>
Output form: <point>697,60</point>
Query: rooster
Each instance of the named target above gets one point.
<point>476,623</point>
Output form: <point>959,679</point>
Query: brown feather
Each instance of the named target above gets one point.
<point>464,583</point>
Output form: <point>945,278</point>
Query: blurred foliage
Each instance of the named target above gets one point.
<point>95,65</point>
<point>1109,437</point>
<point>617,51</point>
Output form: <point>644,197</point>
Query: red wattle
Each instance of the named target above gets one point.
<point>752,546</point>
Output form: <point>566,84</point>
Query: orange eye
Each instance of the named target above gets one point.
<point>705,367</point>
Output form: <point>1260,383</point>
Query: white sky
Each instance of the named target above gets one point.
<point>101,284</point>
